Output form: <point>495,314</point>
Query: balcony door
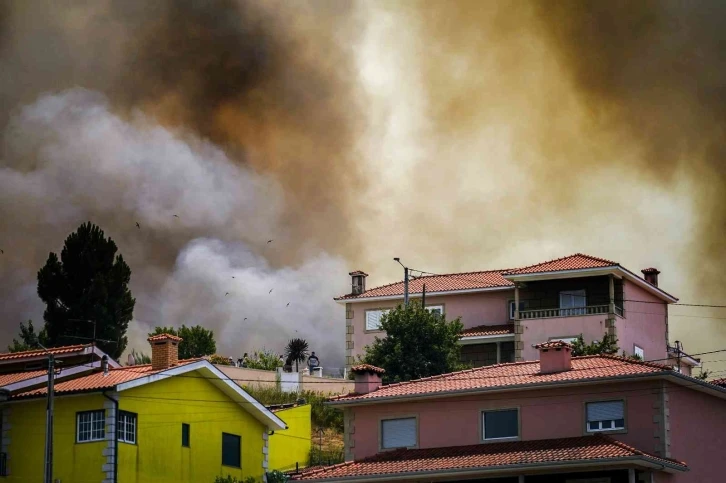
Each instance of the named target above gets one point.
<point>572,302</point>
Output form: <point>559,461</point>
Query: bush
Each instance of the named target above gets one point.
<point>322,416</point>
<point>265,359</point>
<point>320,457</point>
<point>221,360</point>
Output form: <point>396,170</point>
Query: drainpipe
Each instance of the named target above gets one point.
<point>115,436</point>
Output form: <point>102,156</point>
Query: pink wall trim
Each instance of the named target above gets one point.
<point>544,414</point>
<point>592,327</point>
<point>644,324</point>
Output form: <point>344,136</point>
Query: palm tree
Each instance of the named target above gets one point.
<point>297,351</point>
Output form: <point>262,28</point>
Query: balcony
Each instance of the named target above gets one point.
<point>567,312</point>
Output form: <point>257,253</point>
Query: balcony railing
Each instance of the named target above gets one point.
<point>569,312</point>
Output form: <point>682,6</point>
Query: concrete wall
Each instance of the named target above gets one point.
<point>544,414</point>
<point>592,327</point>
<point>644,324</point>
<point>293,381</point>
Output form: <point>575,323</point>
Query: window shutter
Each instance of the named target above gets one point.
<point>398,433</point>
<point>605,411</point>
<point>373,319</point>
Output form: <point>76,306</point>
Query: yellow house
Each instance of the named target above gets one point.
<point>170,421</point>
<point>289,448</point>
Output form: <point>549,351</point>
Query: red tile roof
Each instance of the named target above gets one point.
<point>368,368</point>
<point>484,330</point>
<point>98,381</point>
<point>14,377</point>
<point>6,356</point>
<point>719,382</point>
<point>553,344</point>
<point>154,338</point>
<point>565,451</point>
<point>578,261</point>
<point>511,374</point>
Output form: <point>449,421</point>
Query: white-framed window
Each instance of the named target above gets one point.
<point>398,433</point>
<point>127,427</point>
<point>605,415</point>
<point>500,424</point>
<point>573,302</point>
<point>90,426</point>
<point>435,309</point>
<point>512,305</point>
<point>373,318</point>
<point>638,351</point>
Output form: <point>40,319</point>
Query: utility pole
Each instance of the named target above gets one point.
<point>405,281</point>
<point>49,421</point>
<point>423,297</point>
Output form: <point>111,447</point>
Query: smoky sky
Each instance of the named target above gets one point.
<point>457,135</point>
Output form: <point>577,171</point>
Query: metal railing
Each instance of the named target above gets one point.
<point>569,312</point>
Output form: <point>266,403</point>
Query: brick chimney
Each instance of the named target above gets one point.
<point>367,378</point>
<point>651,275</point>
<point>554,356</point>
<point>164,351</point>
<point>358,282</point>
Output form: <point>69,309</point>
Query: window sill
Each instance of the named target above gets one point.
<point>400,447</point>
<point>501,440</point>
<point>373,331</point>
<point>606,431</point>
<point>127,442</point>
<point>92,441</point>
<point>232,466</point>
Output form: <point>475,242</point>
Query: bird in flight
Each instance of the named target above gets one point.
<point>2,252</point>
<point>245,318</point>
<point>232,276</point>
<point>288,304</point>
<point>176,216</point>
<point>226,293</point>
<point>270,241</point>
<point>137,225</point>
<point>270,291</point>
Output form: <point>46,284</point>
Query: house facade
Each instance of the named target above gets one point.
<point>506,312</point>
<point>171,420</point>
<point>562,419</point>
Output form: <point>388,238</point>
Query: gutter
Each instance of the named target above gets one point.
<point>115,436</point>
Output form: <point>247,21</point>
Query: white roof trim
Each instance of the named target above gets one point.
<point>88,349</point>
<point>231,389</point>
<point>100,354</point>
<point>43,380</point>
<point>418,294</point>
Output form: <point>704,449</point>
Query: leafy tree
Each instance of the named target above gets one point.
<point>89,282</point>
<point>28,338</point>
<point>297,351</point>
<point>265,359</point>
<point>140,357</point>
<point>418,344</point>
<point>607,346</point>
<point>197,341</point>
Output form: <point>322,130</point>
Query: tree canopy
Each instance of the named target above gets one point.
<point>28,338</point>
<point>608,346</point>
<point>264,359</point>
<point>196,341</point>
<point>418,343</point>
<point>86,286</point>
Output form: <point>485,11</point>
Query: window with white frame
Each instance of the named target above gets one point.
<point>398,433</point>
<point>638,351</point>
<point>90,426</point>
<point>573,302</point>
<point>373,318</point>
<point>605,415</point>
<point>435,309</point>
<point>127,427</point>
<point>500,424</point>
<point>512,305</point>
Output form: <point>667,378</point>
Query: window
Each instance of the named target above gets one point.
<point>522,306</point>
<point>605,416</point>
<point>231,450</point>
<point>500,424</point>
<point>638,351</point>
<point>398,433</point>
<point>127,427</point>
<point>185,435</point>
<point>373,318</point>
<point>435,309</point>
<point>572,302</point>
<point>90,426</point>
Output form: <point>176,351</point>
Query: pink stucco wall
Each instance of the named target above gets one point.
<point>644,324</point>
<point>485,308</point>
<point>697,433</point>
<point>592,327</point>
<point>544,414</point>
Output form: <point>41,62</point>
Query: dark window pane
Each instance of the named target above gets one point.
<point>501,424</point>
<point>231,450</point>
<point>185,434</point>
<point>619,423</point>
<point>593,425</point>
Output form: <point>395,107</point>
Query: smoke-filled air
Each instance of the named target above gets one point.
<point>461,135</point>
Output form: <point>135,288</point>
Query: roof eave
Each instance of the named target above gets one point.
<point>343,300</point>
<point>476,339</point>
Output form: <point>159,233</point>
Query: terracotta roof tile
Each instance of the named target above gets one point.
<point>553,344</point>
<point>368,368</point>
<point>6,356</point>
<point>577,261</point>
<point>565,451</point>
<point>511,374</point>
<point>14,377</point>
<point>484,330</point>
<point>719,382</point>
<point>163,337</point>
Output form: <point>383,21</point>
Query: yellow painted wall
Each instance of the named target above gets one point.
<point>292,445</point>
<point>162,407</point>
<point>73,462</point>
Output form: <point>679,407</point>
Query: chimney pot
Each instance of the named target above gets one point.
<point>554,356</point>
<point>358,282</point>
<point>367,378</point>
<point>164,351</point>
<point>104,365</point>
<point>651,275</point>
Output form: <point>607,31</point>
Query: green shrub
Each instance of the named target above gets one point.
<point>320,457</point>
<point>322,416</point>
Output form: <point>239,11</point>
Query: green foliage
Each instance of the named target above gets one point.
<point>607,346</point>
<point>276,476</point>
<point>703,375</point>
<point>88,282</point>
<point>196,341</point>
<point>233,479</point>
<point>140,357</point>
<point>28,338</point>
<point>322,416</point>
<point>297,351</point>
<point>418,344</point>
<point>221,360</point>
<point>264,359</point>
<point>327,457</point>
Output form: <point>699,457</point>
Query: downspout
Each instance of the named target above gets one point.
<point>115,436</point>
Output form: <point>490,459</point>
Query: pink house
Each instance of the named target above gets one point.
<point>506,312</point>
<point>562,419</point>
